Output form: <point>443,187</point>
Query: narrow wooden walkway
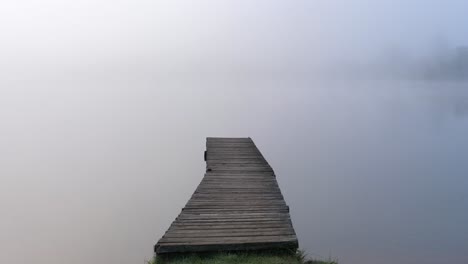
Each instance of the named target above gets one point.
<point>237,206</point>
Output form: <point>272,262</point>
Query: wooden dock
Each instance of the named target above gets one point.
<point>237,206</point>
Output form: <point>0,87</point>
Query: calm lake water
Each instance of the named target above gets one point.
<point>95,172</point>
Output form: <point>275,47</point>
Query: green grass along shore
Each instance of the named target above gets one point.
<point>241,258</point>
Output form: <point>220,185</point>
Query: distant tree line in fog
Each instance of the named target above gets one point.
<point>450,65</point>
<point>445,64</point>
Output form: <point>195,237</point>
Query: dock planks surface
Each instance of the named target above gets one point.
<point>237,206</point>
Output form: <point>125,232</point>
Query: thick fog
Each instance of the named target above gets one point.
<point>361,108</point>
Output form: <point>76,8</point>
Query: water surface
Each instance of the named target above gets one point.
<point>95,171</point>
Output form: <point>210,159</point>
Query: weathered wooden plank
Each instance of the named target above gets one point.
<point>224,163</point>
<point>227,239</point>
<point>216,187</point>
<point>238,228</point>
<point>222,152</point>
<point>244,170</point>
<point>259,222</point>
<point>260,218</point>
<point>228,139</point>
<point>243,151</point>
<point>246,167</point>
<point>221,197</point>
<point>234,174</point>
<point>233,215</point>
<point>232,146</point>
<point>237,204</point>
<point>240,164</point>
<point>234,193</point>
<point>237,161</point>
<point>234,157</point>
<point>239,181</point>
<point>243,230</point>
<point>221,187</point>
<point>227,226</point>
<point>228,234</point>
<point>253,176</point>
<point>239,148</point>
<point>237,197</point>
<point>202,247</point>
<point>239,211</point>
<point>239,208</point>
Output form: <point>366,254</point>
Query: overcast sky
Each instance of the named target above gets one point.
<point>196,36</point>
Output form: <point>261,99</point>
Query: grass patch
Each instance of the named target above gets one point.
<point>240,258</point>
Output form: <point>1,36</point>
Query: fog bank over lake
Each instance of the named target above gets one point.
<point>372,171</point>
<point>105,107</point>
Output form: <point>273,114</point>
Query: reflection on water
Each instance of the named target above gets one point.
<point>374,172</point>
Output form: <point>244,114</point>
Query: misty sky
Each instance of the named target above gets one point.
<point>188,37</point>
<point>105,106</point>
